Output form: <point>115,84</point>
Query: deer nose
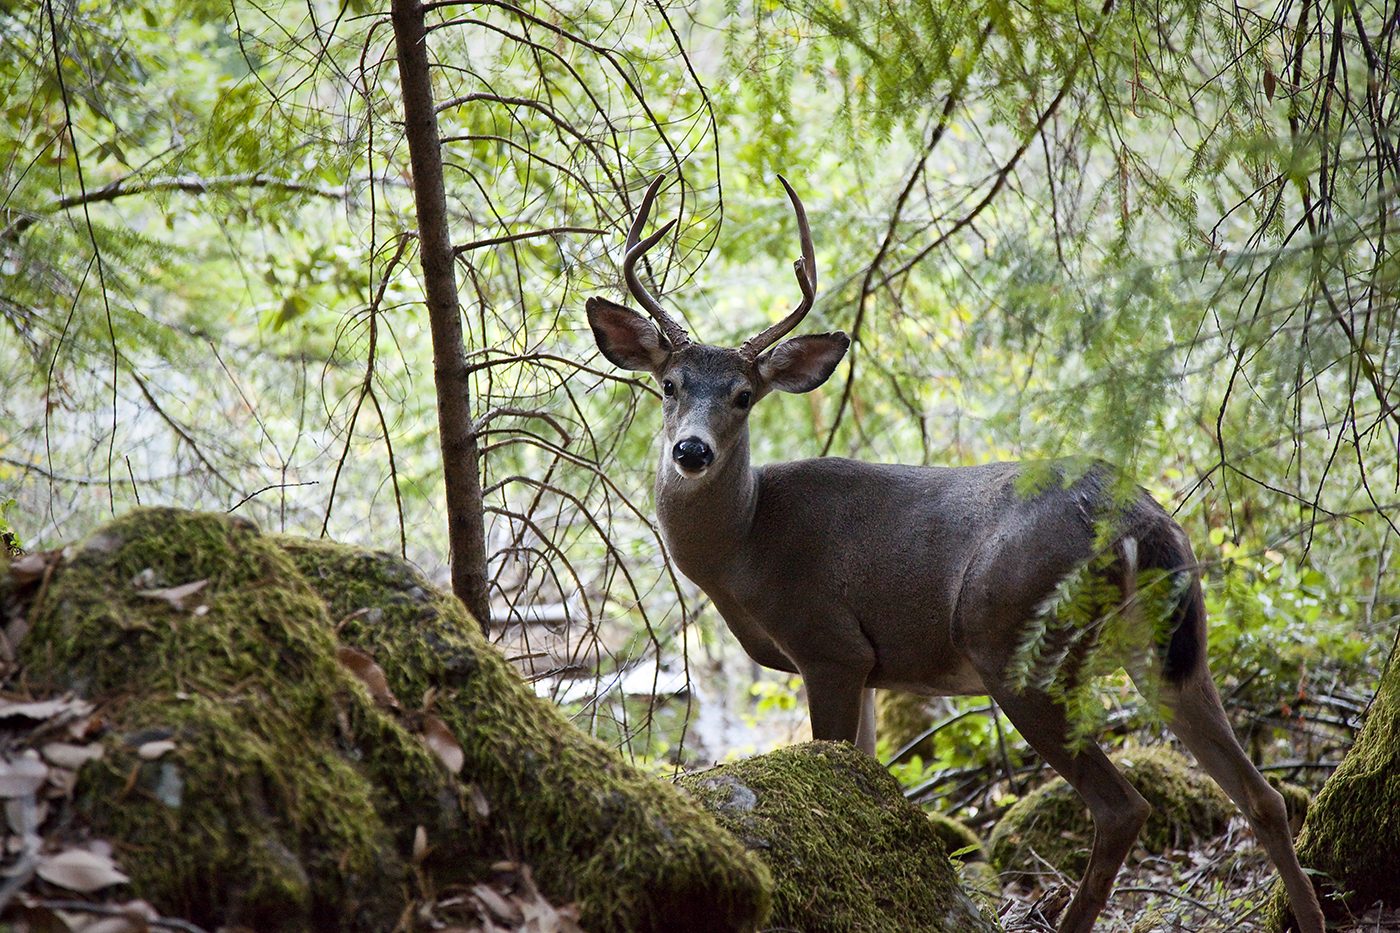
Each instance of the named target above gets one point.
<point>692,454</point>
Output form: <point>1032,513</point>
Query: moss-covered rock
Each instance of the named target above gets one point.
<point>957,837</point>
<point>291,799</point>
<point>847,852</point>
<point>1351,835</point>
<point>901,718</point>
<point>627,847</point>
<point>1052,823</point>
<point>1296,799</point>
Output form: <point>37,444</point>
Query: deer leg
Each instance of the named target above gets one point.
<point>1118,810</point>
<point>835,698</point>
<point>1199,720</point>
<point>865,731</point>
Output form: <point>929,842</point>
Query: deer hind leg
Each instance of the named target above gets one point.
<point>1199,720</point>
<point>1118,810</point>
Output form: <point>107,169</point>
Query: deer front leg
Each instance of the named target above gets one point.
<point>836,700</point>
<point>865,732</point>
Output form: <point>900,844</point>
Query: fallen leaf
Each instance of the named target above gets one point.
<point>28,568</point>
<point>443,743</point>
<point>44,709</point>
<point>67,755</point>
<point>420,844</point>
<point>22,776</point>
<point>480,804</point>
<point>150,751</point>
<point>80,870</point>
<point>175,595</point>
<point>370,674</point>
<point>25,815</point>
<point>500,908</point>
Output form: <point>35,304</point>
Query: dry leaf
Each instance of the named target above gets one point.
<point>80,870</point>
<point>150,751</point>
<point>67,755</point>
<point>443,743</point>
<point>500,908</point>
<point>480,804</point>
<point>25,815</point>
<point>370,674</point>
<point>28,568</point>
<point>176,595</point>
<point>22,776</point>
<point>420,844</point>
<point>44,709</point>
<point>1269,83</point>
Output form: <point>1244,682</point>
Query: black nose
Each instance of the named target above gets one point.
<point>692,454</point>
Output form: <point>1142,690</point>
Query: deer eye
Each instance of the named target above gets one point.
<point>743,399</point>
<point>668,388</point>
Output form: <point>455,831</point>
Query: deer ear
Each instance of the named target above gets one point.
<point>802,363</point>
<point>626,338</point>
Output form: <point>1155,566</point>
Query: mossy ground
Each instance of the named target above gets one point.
<point>291,800</point>
<point>1351,835</point>
<point>1052,823</point>
<point>846,851</point>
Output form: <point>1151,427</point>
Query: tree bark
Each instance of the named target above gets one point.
<point>466,528</point>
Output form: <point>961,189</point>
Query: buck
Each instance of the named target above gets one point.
<point>861,575</point>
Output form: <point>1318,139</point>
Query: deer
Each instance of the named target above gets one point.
<point>859,575</point>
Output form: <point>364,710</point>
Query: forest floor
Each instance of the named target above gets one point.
<point>1214,887</point>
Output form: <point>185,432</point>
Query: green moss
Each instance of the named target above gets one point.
<point>291,800</point>
<point>1351,836</point>
<point>632,851</point>
<point>901,718</point>
<point>955,837</point>
<point>1295,798</point>
<point>1052,823</point>
<point>847,851</point>
<point>267,812</point>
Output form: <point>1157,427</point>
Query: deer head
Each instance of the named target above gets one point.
<point>708,391</point>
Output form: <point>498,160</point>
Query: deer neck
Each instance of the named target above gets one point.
<point>706,521</point>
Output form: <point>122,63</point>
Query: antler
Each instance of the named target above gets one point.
<point>674,332</point>
<point>806,270</point>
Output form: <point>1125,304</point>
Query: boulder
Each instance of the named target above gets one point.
<point>846,851</point>
<point>335,740</point>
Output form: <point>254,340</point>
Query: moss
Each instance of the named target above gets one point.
<point>846,850</point>
<point>1052,823</point>
<point>1351,835</point>
<point>982,881</point>
<point>291,800</point>
<point>901,718</point>
<point>266,813</point>
<point>632,851</point>
<point>1296,799</point>
<point>955,837</point>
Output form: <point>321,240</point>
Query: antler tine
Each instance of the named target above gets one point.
<point>674,332</point>
<point>806,271</point>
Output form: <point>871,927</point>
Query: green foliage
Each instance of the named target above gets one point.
<point>9,537</point>
<point>1155,235</point>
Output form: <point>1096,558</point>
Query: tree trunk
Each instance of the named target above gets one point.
<point>1351,834</point>
<point>466,528</point>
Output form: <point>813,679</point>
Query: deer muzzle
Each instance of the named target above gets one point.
<point>692,456</point>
